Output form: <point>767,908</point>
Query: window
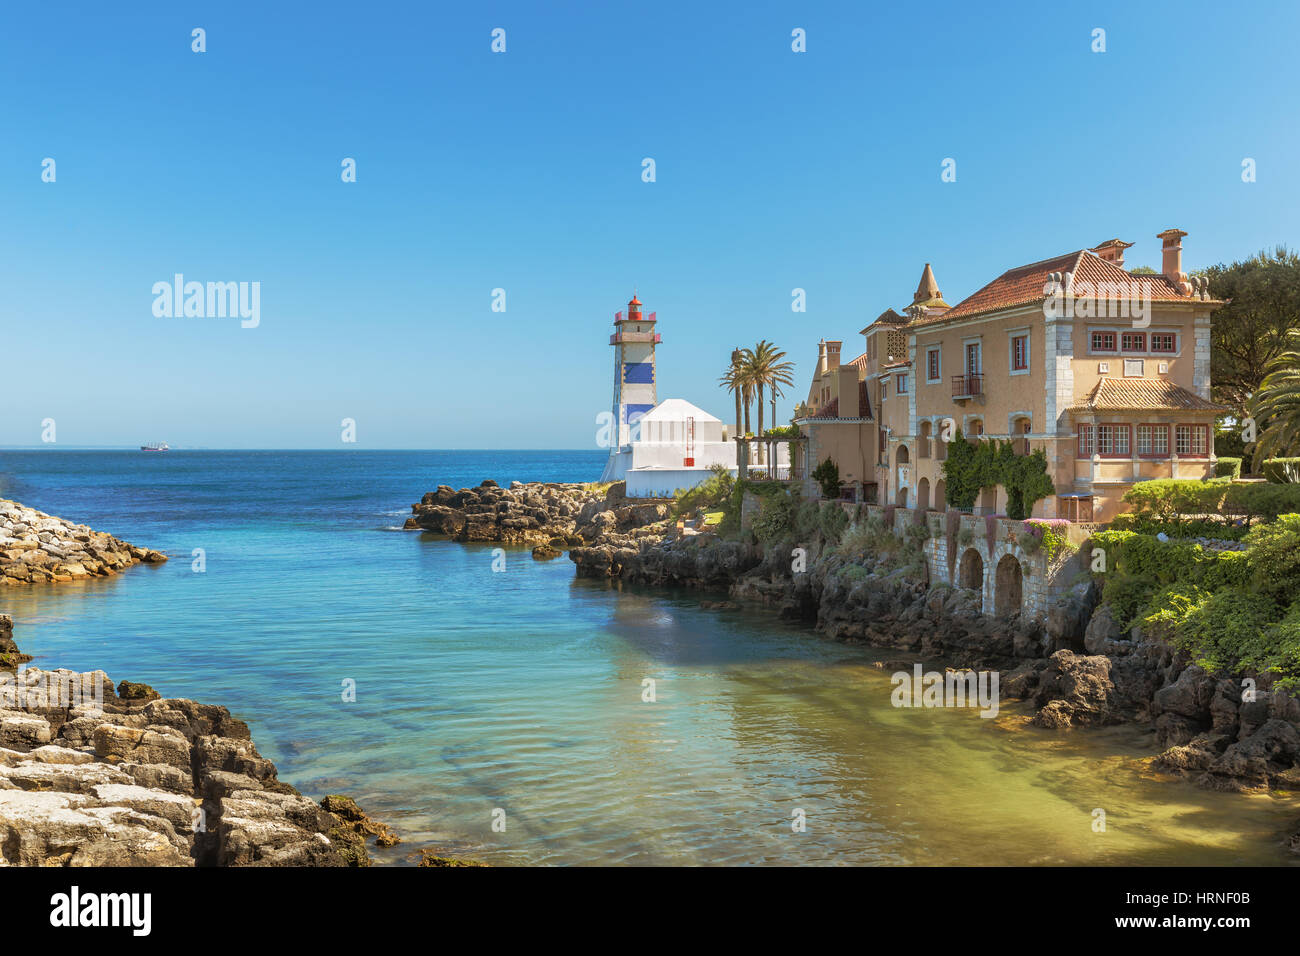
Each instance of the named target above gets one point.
<point>1153,441</point>
<point>1163,342</point>
<point>1113,441</point>
<point>976,428</point>
<point>900,383</point>
<point>932,369</point>
<point>1085,441</point>
<point>882,447</point>
<point>1190,440</point>
<point>973,364</point>
<point>1019,353</point>
<point>1103,341</point>
<point>1133,341</point>
<point>884,389</point>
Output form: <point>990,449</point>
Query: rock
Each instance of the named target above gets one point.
<point>544,552</point>
<point>132,691</point>
<point>36,548</point>
<point>429,857</point>
<point>135,779</point>
<point>1075,690</point>
<point>1189,696</point>
<point>351,817</point>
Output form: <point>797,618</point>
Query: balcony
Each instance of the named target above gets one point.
<point>967,386</point>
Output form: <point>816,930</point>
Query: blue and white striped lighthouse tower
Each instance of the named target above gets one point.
<point>634,342</point>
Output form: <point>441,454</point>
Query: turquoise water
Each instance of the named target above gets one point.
<point>522,691</point>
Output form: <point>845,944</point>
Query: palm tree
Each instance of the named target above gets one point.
<point>765,370</point>
<point>734,381</point>
<point>782,375</point>
<point>1276,407</point>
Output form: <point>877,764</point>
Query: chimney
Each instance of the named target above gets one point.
<point>1112,250</point>
<point>1172,265</point>
<point>833,354</point>
<point>821,356</point>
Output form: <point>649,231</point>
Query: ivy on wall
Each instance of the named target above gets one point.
<point>970,467</point>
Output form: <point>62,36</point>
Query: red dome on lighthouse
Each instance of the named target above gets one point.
<point>635,304</point>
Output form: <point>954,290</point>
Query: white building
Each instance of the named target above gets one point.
<point>660,448</point>
<point>674,446</point>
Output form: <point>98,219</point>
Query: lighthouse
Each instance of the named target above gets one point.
<point>634,342</point>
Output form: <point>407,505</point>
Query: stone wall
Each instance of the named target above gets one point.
<point>999,566</point>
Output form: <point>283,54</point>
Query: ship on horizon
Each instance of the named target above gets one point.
<point>155,446</point>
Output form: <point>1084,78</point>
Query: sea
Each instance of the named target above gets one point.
<point>489,705</point>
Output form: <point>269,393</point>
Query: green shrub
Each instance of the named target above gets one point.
<point>1192,528</point>
<point>1280,654</point>
<point>1281,470</point>
<point>832,520</point>
<point>1227,468</point>
<point>775,520</point>
<point>1226,631</point>
<point>1164,563</point>
<point>1127,595</point>
<point>1227,441</point>
<point>1261,502</point>
<point>711,492</point>
<point>1170,499</point>
<point>853,573</point>
<point>827,474</point>
<point>1273,556</point>
<point>1167,609</point>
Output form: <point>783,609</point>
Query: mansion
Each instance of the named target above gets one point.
<point>1106,371</point>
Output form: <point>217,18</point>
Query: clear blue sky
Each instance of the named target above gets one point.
<point>522,170</point>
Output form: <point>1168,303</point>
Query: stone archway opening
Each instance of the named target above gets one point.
<point>1008,586</point>
<point>940,502</point>
<point>970,573</point>
<point>901,498</point>
<point>923,494</point>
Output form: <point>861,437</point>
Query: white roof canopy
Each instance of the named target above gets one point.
<point>678,410</point>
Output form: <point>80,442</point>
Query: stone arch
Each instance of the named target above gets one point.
<point>940,495</point>
<point>1008,586</point>
<point>988,501</point>
<point>923,494</point>
<point>902,467</point>
<point>1021,426</point>
<point>970,573</point>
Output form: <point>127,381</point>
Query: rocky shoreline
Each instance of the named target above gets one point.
<point>547,517</point>
<point>36,548</point>
<point>93,775</point>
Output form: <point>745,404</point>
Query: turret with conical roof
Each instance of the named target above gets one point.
<point>927,293</point>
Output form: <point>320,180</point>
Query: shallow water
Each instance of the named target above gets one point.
<point>522,690</point>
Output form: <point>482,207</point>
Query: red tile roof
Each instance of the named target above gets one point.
<point>1142,394</point>
<point>1023,285</point>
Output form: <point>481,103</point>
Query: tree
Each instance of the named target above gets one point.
<point>734,381</point>
<point>1276,409</point>
<point>961,482</point>
<point>760,367</point>
<point>1251,331</point>
<point>827,474</point>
